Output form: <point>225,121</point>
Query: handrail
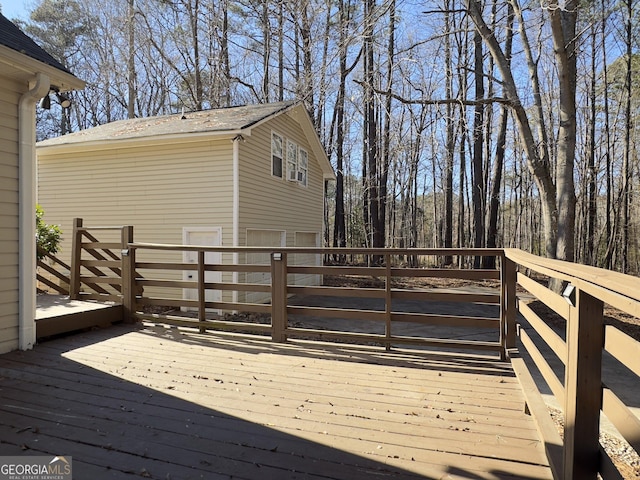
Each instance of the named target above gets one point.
<point>280,289</point>
<point>579,387</point>
<point>616,289</point>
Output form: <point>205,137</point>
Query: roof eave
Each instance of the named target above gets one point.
<point>115,143</point>
<point>64,81</point>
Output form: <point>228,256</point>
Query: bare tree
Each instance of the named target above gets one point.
<point>559,239</point>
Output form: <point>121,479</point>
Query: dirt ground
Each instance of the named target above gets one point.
<point>622,321</point>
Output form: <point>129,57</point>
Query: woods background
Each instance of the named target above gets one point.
<point>449,123</point>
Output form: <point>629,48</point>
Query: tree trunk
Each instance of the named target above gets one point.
<point>339,230</point>
<point>627,167</point>
<point>477,186</point>
<point>131,62</point>
<point>266,52</point>
<point>384,157</point>
<point>563,28</point>
<point>498,164</point>
<point>448,173</point>
<point>592,193</point>
<point>538,164</point>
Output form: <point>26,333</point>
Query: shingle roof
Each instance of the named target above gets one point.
<point>14,38</point>
<point>220,120</point>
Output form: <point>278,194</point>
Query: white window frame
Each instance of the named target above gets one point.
<point>303,167</point>
<point>281,157</point>
<point>292,161</point>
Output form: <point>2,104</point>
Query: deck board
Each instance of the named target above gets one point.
<point>166,403</point>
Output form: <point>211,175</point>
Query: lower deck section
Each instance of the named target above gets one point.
<point>56,314</point>
<point>154,402</point>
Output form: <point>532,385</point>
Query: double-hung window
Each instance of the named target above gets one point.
<point>276,155</point>
<point>292,161</point>
<point>303,166</point>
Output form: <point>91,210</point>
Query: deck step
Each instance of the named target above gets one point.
<point>56,314</point>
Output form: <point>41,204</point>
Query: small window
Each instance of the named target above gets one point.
<point>276,155</point>
<point>292,161</point>
<point>303,167</point>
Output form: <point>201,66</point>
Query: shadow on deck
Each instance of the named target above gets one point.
<point>57,314</point>
<point>152,402</point>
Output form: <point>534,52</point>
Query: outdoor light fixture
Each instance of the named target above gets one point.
<point>63,100</point>
<point>45,102</point>
<point>569,294</point>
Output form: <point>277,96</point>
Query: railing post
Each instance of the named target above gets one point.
<point>76,255</point>
<point>387,301</point>
<point>508,306</point>
<point>127,273</point>
<point>278,296</point>
<point>583,392</point>
<point>202,292</point>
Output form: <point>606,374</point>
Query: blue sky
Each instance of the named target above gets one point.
<point>15,8</point>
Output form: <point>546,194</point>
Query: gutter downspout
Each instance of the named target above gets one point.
<point>38,88</point>
<point>236,206</point>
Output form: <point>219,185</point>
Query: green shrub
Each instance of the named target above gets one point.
<point>47,236</point>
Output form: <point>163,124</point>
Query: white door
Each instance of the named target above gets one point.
<point>209,237</point>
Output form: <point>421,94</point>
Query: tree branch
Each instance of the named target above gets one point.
<point>443,101</point>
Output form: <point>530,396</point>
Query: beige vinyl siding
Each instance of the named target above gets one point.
<point>9,244</point>
<point>268,202</point>
<point>157,189</point>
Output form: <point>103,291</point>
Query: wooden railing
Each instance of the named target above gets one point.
<point>383,292</point>
<point>58,273</point>
<point>96,266</point>
<point>579,347</point>
<point>569,353</point>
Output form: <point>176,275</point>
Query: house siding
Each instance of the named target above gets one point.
<point>157,189</point>
<point>267,201</point>
<point>188,183</point>
<point>9,214</point>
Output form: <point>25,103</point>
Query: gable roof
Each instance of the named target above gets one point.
<point>14,38</point>
<point>218,121</point>
<point>229,122</point>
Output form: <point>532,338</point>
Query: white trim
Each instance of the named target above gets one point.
<point>302,183</point>
<point>30,66</point>
<point>292,161</point>
<point>236,208</point>
<point>283,141</point>
<point>116,143</point>
<point>38,88</point>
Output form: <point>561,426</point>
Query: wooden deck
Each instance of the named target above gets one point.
<point>56,314</point>
<point>150,402</point>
